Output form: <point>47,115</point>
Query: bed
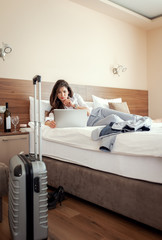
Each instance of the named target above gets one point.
<point>139,199</point>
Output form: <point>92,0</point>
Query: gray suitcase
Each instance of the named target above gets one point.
<point>28,212</point>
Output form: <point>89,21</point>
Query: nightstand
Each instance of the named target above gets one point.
<point>12,144</point>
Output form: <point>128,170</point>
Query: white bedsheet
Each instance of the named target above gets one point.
<point>63,145</point>
<point>147,143</point>
<point>141,143</point>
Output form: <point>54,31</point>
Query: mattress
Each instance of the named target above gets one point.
<point>75,146</point>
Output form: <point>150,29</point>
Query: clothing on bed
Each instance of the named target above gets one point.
<point>116,123</point>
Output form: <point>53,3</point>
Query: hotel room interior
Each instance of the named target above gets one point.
<point>104,50</point>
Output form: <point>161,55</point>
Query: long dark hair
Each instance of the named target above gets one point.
<point>54,100</point>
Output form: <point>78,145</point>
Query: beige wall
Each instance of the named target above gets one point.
<point>61,39</point>
<point>155,72</point>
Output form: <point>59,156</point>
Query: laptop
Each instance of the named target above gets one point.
<point>70,118</point>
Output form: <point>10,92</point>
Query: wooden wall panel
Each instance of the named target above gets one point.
<point>137,100</point>
<point>16,92</point>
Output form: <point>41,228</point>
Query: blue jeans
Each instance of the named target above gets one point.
<point>103,116</point>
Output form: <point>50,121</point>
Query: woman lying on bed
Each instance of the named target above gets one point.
<point>62,97</point>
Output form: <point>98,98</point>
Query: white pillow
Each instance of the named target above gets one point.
<point>45,106</point>
<point>101,102</point>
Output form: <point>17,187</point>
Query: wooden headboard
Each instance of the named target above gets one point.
<point>16,92</point>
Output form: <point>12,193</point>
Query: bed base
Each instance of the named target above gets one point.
<point>138,200</point>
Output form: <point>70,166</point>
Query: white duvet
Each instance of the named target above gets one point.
<point>134,143</point>
<point>141,143</point>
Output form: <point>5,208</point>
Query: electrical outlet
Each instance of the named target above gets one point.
<point>2,109</point>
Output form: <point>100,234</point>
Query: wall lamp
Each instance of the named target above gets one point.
<point>5,50</point>
<point>118,69</point>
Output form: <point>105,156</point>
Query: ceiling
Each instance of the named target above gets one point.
<point>146,14</point>
<point>148,8</point>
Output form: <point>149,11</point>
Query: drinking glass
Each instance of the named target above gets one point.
<point>1,120</point>
<point>15,121</point>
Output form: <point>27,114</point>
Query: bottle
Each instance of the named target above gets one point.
<point>7,120</point>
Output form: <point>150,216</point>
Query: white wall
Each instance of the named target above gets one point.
<point>155,72</point>
<point>61,39</point>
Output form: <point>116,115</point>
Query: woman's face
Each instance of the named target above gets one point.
<point>62,93</point>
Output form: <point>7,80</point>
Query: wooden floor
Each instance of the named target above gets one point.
<point>79,220</point>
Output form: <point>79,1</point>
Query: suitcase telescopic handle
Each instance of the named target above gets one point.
<point>36,79</point>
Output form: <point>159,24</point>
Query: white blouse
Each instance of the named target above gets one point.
<point>76,99</point>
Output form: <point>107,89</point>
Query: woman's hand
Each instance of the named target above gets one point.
<point>51,124</point>
<point>67,102</point>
